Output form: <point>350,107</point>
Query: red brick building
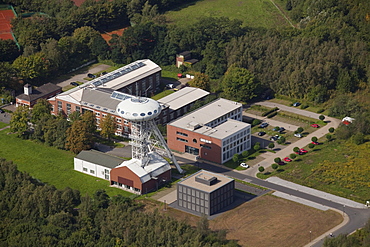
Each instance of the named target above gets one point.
<point>31,95</point>
<point>214,132</point>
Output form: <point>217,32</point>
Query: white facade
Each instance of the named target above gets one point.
<point>236,143</point>
<point>92,169</point>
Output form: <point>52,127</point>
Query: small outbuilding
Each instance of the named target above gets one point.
<point>31,95</point>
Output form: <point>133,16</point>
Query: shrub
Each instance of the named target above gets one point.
<point>277,160</point>
<point>311,145</point>
<point>256,122</point>
<point>331,129</point>
<point>322,117</point>
<point>300,130</point>
<point>273,114</point>
<point>314,139</point>
<point>274,166</point>
<point>293,156</point>
<point>261,169</point>
<point>245,153</point>
<point>236,158</point>
<point>270,111</point>
<point>329,137</point>
<point>296,149</point>
<point>358,138</point>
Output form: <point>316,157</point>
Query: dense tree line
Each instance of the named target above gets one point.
<point>37,214</point>
<point>328,55</point>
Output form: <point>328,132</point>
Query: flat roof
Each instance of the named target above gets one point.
<point>190,181</point>
<point>99,158</point>
<point>183,97</point>
<point>223,130</point>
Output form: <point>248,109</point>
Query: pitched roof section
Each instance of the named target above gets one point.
<point>156,167</point>
<point>183,97</point>
<point>99,158</point>
<point>40,92</point>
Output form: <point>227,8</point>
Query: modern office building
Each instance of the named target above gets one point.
<point>205,192</point>
<point>214,132</point>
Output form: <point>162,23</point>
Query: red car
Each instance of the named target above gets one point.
<point>303,150</point>
<point>286,159</point>
<point>316,143</point>
<point>315,125</point>
<point>281,163</point>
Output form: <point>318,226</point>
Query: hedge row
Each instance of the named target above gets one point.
<point>272,114</point>
<point>269,111</point>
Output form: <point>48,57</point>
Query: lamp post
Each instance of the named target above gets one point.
<point>310,236</point>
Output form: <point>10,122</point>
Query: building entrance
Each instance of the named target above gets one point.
<point>191,150</point>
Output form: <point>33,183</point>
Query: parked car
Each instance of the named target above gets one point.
<point>170,85</point>
<point>299,135</point>
<point>244,165</point>
<point>74,83</point>
<point>287,159</point>
<point>92,76</point>
<point>1,111</point>
<point>104,73</point>
<point>296,104</point>
<point>274,138</point>
<point>261,133</point>
<point>315,125</point>
<point>316,143</point>
<point>264,125</point>
<point>276,128</point>
<point>303,150</point>
<point>281,163</point>
<point>281,129</point>
<point>299,153</point>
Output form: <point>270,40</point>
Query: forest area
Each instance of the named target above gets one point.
<point>37,214</point>
<point>324,61</point>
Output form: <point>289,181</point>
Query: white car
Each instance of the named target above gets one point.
<point>169,85</point>
<point>244,165</point>
<point>298,135</point>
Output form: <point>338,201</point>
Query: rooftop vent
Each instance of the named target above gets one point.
<point>206,179</point>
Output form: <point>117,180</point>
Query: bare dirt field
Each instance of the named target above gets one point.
<point>265,221</point>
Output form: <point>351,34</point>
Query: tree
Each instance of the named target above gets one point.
<point>200,81</point>
<point>271,145</point>
<point>203,225</point>
<point>261,169</point>
<point>31,67</point>
<point>299,130</point>
<point>274,166</point>
<point>256,122</point>
<point>314,139</point>
<point>331,130</point>
<point>239,84</point>
<point>236,157</point>
<point>257,146</point>
<point>40,109</point>
<point>358,138</point>
<point>296,149</point>
<point>245,153</point>
<point>281,140</point>
<point>277,160</point>
<point>311,145</point>
<point>322,117</point>
<point>78,137</point>
<point>8,50</point>
<point>108,126</point>
<point>19,120</point>
<point>89,119</point>
<point>293,156</point>
<point>74,116</point>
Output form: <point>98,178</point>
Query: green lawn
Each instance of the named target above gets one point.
<point>337,167</point>
<point>254,13</point>
<point>162,94</point>
<point>50,165</point>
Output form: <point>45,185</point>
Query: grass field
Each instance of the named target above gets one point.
<point>50,165</point>
<point>335,167</point>
<point>264,222</point>
<point>253,13</point>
